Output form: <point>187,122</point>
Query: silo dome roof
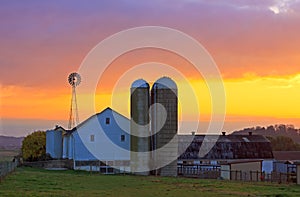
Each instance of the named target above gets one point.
<point>140,83</point>
<point>165,82</point>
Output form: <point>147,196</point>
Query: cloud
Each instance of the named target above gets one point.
<point>275,6</point>
<point>283,6</point>
<point>52,40</point>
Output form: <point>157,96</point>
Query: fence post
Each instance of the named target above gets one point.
<point>280,177</point>
<point>241,175</point>
<point>90,168</point>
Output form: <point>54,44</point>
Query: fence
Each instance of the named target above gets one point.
<point>104,167</point>
<point>277,177</point>
<point>199,171</point>
<point>214,172</point>
<point>50,164</point>
<point>6,167</point>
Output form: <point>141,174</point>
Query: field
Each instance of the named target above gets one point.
<point>8,155</point>
<point>39,182</point>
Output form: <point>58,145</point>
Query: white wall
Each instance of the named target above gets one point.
<point>267,166</point>
<point>107,144</point>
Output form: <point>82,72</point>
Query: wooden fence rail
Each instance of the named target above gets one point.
<point>214,172</point>
<point>199,171</point>
<point>277,177</point>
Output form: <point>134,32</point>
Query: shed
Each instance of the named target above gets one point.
<point>284,166</point>
<point>242,170</point>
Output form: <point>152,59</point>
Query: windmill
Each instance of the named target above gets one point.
<point>74,80</point>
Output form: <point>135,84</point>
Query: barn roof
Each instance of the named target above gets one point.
<point>225,147</point>
<point>68,132</point>
<point>140,83</point>
<point>287,155</point>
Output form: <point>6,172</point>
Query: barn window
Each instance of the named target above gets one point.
<point>92,138</point>
<point>122,138</point>
<point>107,120</point>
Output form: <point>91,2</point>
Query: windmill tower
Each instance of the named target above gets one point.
<point>74,80</point>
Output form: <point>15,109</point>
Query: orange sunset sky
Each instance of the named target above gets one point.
<point>255,44</point>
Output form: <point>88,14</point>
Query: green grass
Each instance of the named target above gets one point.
<point>39,182</point>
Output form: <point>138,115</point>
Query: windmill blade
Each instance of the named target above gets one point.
<point>74,79</point>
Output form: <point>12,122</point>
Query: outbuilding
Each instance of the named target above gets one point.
<point>247,170</point>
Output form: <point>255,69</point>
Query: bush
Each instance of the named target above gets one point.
<point>34,146</point>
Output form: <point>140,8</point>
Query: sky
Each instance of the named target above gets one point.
<point>254,43</point>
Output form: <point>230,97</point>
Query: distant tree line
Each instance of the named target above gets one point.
<point>283,143</point>
<point>282,137</point>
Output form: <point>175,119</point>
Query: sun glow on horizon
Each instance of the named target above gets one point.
<point>255,96</point>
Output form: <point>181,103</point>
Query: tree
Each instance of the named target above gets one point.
<point>34,146</point>
<point>283,143</point>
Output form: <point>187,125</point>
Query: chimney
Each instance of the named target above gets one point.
<point>223,133</point>
<point>250,132</point>
<point>193,133</point>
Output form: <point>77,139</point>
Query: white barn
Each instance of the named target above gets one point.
<point>101,143</point>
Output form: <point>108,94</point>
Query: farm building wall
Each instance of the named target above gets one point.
<point>298,173</point>
<point>284,167</point>
<point>103,137</point>
<point>71,147</point>
<point>225,172</point>
<point>68,147</point>
<point>65,147</point>
<point>267,166</point>
<point>245,168</point>
<point>54,143</point>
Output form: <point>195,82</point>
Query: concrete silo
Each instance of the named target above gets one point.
<point>164,126</point>
<point>139,127</point>
<point>54,140</point>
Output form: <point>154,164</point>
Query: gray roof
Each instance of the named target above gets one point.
<point>165,83</point>
<point>140,83</point>
<point>225,147</point>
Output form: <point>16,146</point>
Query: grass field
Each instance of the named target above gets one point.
<point>39,182</point>
<point>8,155</point>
